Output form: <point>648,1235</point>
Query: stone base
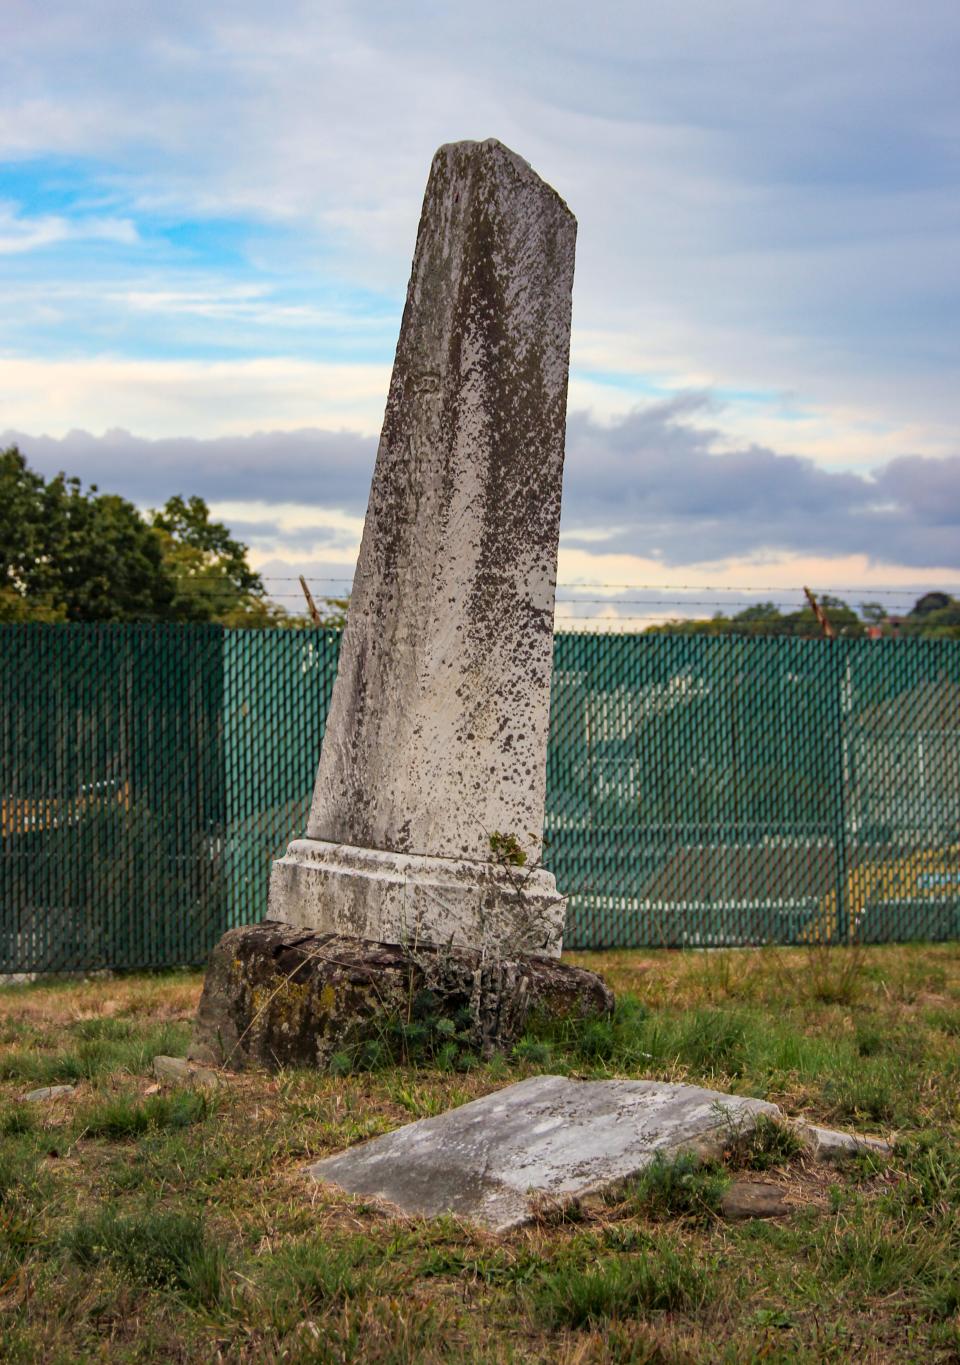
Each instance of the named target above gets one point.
<point>275,995</point>
<point>409,899</point>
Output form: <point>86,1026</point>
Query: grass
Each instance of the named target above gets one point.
<point>155,1250</point>
<point>771,1143</point>
<point>653,1279</point>
<point>677,1188</point>
<point>146,1223</point>
<point>124,1116</point>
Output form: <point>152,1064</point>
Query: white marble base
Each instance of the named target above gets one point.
<point>407,898</point>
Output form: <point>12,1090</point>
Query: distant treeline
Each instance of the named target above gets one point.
<point>935,615</point>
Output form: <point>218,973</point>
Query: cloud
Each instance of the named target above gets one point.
<point>767,197</point>
<point>658,484</point>
<point>19,234</point>
<point>678,493</point>
<point>325,469</point>
<point>205,398</point>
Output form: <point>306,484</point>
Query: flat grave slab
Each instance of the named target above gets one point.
<point>492,1160</point>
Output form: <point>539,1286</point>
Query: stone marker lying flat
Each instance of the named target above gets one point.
<point>546,1137</point>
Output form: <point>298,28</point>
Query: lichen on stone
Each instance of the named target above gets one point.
<point>278,996</point>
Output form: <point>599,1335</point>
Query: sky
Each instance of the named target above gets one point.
<point>207,215</point>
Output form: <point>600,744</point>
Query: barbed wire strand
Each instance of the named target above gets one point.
<point>866,593</point>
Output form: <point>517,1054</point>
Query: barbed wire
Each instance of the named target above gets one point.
<point>888,590</point>
<point>906,594</point>
<point>227,591</point>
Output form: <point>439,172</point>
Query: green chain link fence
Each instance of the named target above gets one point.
<point>700,791</point>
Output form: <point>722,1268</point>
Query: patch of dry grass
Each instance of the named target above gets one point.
<point>141,1224</point>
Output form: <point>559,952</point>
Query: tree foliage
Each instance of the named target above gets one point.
<point>765,618</point>
<point>935,615</point>
<point>74,554</point>
<point>208,569</point>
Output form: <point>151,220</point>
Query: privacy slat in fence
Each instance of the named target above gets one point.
<point>112,789</point>
<point>277,687</point>
<point>700,791</point>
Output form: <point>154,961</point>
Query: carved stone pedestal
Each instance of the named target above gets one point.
<point>410,899</point>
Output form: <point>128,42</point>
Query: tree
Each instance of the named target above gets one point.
<point>930,602</point>
<point>765,618</point>
<point>208,569</point>
<point>935,615</point>
<point>27,581</point>
<point>74,554</point>
<point>66,554</point>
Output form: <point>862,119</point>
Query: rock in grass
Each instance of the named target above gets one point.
<point>753,1199</point>
<point>49,1092</point>
<point>831,1145</point>
<point>178,1071</point>
<point>278,996</point>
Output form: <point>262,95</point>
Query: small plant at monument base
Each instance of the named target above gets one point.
<point>683,1186</point>
<point>424,1035</point>
<point>507,849</point>
<point>770,1144</point>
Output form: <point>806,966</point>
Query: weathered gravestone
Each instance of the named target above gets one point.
<point>419,878</point>
<point>551,1141</point>
<point>548,1138</point>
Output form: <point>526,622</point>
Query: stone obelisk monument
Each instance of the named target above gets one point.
<point>427,818</point>
<point>437,731</point>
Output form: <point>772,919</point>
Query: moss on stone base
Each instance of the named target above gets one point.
<point>279,996</point>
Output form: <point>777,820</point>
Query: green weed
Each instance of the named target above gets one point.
<point>868,1093</point>
<point>24,1189</point>
<point>835,973</point>
<point>502,1266</point>
<point>382,1333</point>
<point>127,1116</point>
<point>659,1278</point>
<point>676,1187</point>
<point>535,1052</point>
<point>16,1120</point>
<point>425,1036</point>
<point>309,1277</point>
<point>156,1250</point>
<point>19,1172</point>
<point>94,1055</point>
<point>945,1020</point>
<point>942,1299</point>
<point>707,1041</point>
<point>770,1143</point>
<point>930,1165</point>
